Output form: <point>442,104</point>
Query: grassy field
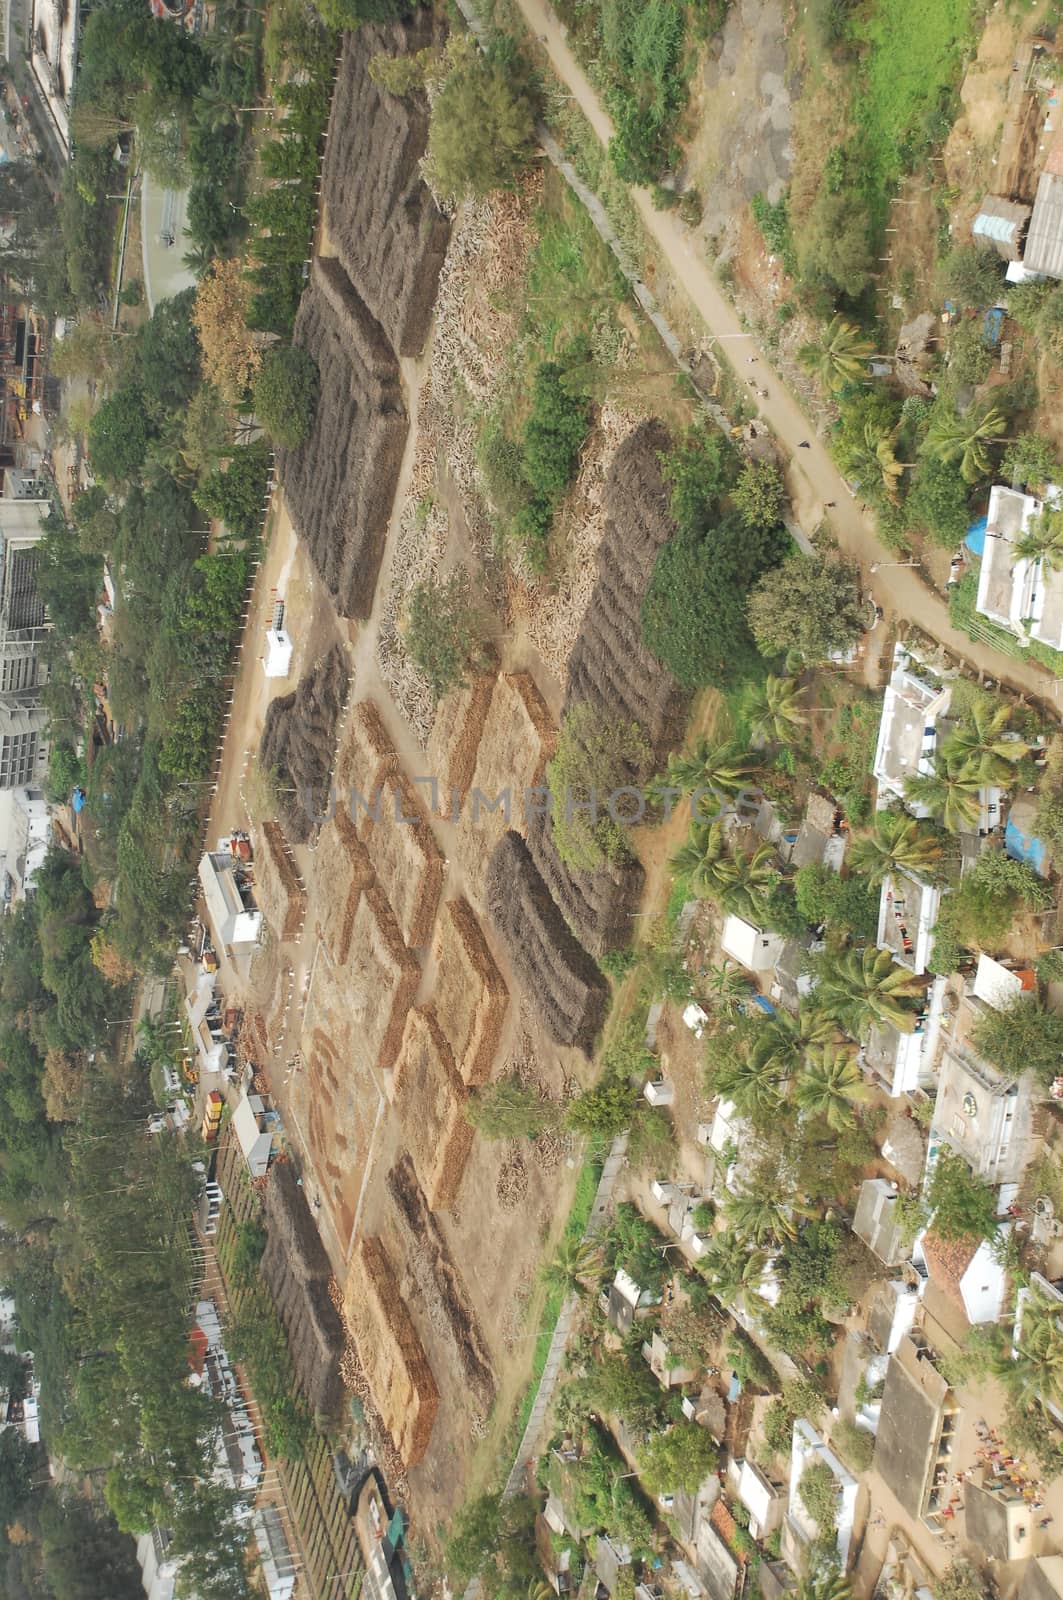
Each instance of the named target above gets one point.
<point>912,56</point>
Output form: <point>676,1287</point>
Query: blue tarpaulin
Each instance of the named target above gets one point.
<point>1025,847</point>
<point>975,540</point>
<point>77,801</point>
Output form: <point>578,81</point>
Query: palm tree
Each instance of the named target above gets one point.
<point>728,986</point>
<point>823,1585</point>
<point>776,713</point>
<point>747,878</point>
<point>576,1260</point>
<point>951,793</point>
<point>797,1033</point>
<point>863,987</point>
<point>829,1085</point>
<point>762,1218</point>
<point>699,861</point>
<point>198,259</point>
<point>840,357</point>
<point>896,840</point>
<point>966,440</point>
<point>1043,541</point>
<point>752,1076</point>
<point>874,457</point>
<point>705,765</point>
<point>979,744</point>
<point>1035,1371</point>
<point>732,1270</point>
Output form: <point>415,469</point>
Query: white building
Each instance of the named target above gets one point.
<point>765,1501</point>
<point>983,1115</point>
<point>238,1463</point>
<point>800,1528</point>
<point>25,833</point>
<point>752,947</point>
<point>232,922</point>
<point>251,1124</point>
<point>967,1271</point>
<point>907,737</point>
<point>278,1566</point>
<point>907,914</point>
<point>904,1061</point>
<point>158,1569</point>
<point>1013,591</point>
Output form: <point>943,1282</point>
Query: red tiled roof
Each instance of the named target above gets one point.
<point>947,1260</point>
<point>726,1526</point>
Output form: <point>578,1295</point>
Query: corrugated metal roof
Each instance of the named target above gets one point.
<point>1044,241</point>
<point>1001,221</point>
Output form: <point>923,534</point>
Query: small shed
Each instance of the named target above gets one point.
<point>253,1134</point>
<point>232,923</point>
<point>1000,224</point>
<point>875,1222</point>
<point>1044,238</point>
<point>999,986</point>
<point>752,947</point>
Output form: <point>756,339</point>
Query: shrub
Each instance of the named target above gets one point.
<point>286,387</point>
<point>759,494</point>
<point>938,502</point>
<point>855,1445</point>
<point>971,276</point>
<point>236,495</point>
<point>482,133</point>
<point>819,1491</point>
<point>118,435</point>
<point>444,630</point>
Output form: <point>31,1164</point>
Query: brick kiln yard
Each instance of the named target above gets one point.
<point>408,962</point>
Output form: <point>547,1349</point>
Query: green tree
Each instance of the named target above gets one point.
<point>733,1271</point>
<point>1030,458</point>
<point>286,388</point>
<point>507,1109</point>
<point>963,1206</point>
<point>811,605</point>
<point>981,743</point>
<point>740,882</point>
<point>574,1262</point>
<point>950,792</point>
<point>119,434</point>
<point>971,276</point>
<point>775,711</point>
<point>830,1084</point>
<point>237,495</point>
<point>603,1111</point>
<point>1043,541</point>
<point>750,1070</point>
<point>938,502</point>
<point>762,1219</point>
<point>1022,1037</point>
<point>862,988</point>
<point>759,494</point>
<point>1034,1372</point>
<point>968,354</point>
<point>966,441</point>
<point>894,841</point>
<point>444,628</point>
<point>680,1458</point>
<point>720,765</point>
<point>401,75</point>
<point>983,906</point>
<point>818,1489</point>
<point>482,134</point>
<point>594,760</point>
<point>871,458</point>
<point>839,356</point>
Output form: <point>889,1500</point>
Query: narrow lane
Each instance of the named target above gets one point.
<point>816,481</point>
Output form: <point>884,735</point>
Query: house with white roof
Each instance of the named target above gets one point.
<point>251,1125</point>
<point>968,1272</point>
<point>764,1500</point>
<point>905,1061</point>
<point>913,705</point>
<point>1013,591</point>
<point>232,922</point>
<point>907,914</point>
<point>800,1529</point>
<point>753,948</point>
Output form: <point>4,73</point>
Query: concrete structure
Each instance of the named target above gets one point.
<point>279,1571</point>
<point>158,1569</point>
<point>999,1521</point>
<point>238,1464</point>
<point>23,627</point>
<point>913,704</point>
<point>916,1428</point>
<point>751,947</point>
<point>611,1557</point>
<point>799,1528</point>
<point>277,662</point>
<point>1013,591</point>
<point>24,1414</point>
<point>765,1501</point>
<point>669,1372</point>
<point>1043,1579</point>
<point>875,1223</point>
<point>1000,223</point>
<point>999,986</point>
<point>903,1062</point>
<point>252,1128</point>
<point>717,1567</point>
<point>968,1272</point>
<point>25,834</point>
<point>232,922</point>
<point>51,54</point>
<point>165,241</point>
<point>818,842</point>
<point>624,1302</point>
<point>983,1115</point>
<point>907,914</point>
<point>1044,237</point>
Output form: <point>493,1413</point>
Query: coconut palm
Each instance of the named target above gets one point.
<point>762,1218</point>
<point>896,840</point>
<point>728,986</point>
<point>829,1085</point>
<point>840,356</point>
<point>747,877</point>
<point>1043,541</point>
<point>700,860</point>
<point>1032,1368</point>
<point>980,743</point>
<point>951,793</point>
<point>732,1270</point>
<point>707,765</point>
<point>965,441</point>
<point>873,458</point>
<point>776,713</point>
<point>863,987</point>
<point>752,1075</point>
<point>576,1260</point>
<point>823,1585</point>
<point>798,1032</point>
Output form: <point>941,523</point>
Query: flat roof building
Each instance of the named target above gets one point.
<point>907,915</point>
<point>916,1428</point>
<point>753,948</point>
<point>253,1133</point>
<point>912,706</point>
<point>1013,591</point>
<point>983,1115</point>
<point>875,1222</point>
<point>232,922</point>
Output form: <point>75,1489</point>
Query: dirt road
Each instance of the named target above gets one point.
<point>815,481</point>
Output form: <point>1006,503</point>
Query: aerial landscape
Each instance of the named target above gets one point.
<point>531,800</point>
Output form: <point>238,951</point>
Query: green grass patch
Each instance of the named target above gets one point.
<point>912,57</point>
<point>963,615</point>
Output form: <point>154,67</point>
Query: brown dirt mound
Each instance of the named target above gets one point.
<point>456,734</point>
<point>382,220</point>
<point>610,666</point>
<point>430,1097</point>
<point>368,755</point>
<point>382,977</point>
<point>279,891</point>
<point>340,485</point>
<point>299,738</point>
<point>597,905</point>
<point>407,861</point>
<point>391,1354</point>
<point>517,741</point>
<point>555,971</point>
<point>471,997</point>
<point>439,1280</point>
<point>297,1271</point>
